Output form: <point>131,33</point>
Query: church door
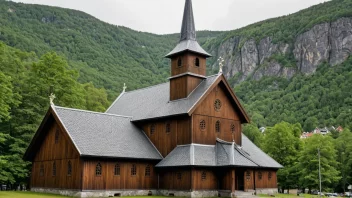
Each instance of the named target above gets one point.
<point>239,180</point>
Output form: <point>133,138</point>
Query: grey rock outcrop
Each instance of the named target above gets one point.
<point>312,48</point>
<point>250,57</point>
<point>326,42</point>
<point>341,40</point>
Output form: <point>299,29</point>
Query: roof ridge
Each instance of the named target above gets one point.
<point>93,112</point>
<point>147,87</point>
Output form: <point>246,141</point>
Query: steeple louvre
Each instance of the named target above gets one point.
<point>188,30</point>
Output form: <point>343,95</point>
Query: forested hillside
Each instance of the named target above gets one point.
<point>104,54</point>
<point>291,68</point>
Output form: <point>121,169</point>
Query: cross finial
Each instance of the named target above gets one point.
<point>52,98</point>
<point>221,64</point>
<point>124,87</point>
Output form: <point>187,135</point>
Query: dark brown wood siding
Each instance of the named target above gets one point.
<point>59,149</point>
<point>165,142</point>
<point>188,64</point>
<point>170,180</point>
<point>265,181</point>
<point>109,181</point>
<point>226,115</point>
<point>210,182</point>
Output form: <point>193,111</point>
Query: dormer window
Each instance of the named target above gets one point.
<point>196,62</point>
<point>179,62</point>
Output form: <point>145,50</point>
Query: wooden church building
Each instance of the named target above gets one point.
<point>180,138</point>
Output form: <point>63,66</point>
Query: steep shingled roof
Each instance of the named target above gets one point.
<point>105,135</point>
<point>154,102</point>
<point>101,135</point>
<point>221,154</point>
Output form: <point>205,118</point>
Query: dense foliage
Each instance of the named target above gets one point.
<point>300,157</point>
<point>26,81</point>
<point>72,53</point>
<point>322,99</point>
<point>104,54</point>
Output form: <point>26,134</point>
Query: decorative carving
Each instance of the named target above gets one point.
<point>221,64</point>
<point>52,98</point>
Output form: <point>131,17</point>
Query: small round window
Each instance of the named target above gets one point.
<point>202,125</point>
<point>217,105</point>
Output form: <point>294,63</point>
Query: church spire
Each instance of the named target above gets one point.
<point>188,40</point>
<point>188,30</point>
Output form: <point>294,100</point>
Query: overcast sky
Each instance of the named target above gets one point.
<point>164,16</point>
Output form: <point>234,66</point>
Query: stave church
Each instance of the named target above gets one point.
<point>180,138</point>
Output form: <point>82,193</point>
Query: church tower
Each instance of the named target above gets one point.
<point>188,59</point>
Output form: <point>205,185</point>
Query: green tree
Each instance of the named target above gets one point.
<point>282,143</point>
<point>344,156</point>
<point>6,96</point>
<point>309,163</point>
<point>253,133</point>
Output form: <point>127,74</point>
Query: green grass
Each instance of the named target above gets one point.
<point>11,194</point>
<point>290,196</point>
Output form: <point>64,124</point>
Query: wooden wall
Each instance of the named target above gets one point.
<point>226,179</point>
<point>199,183</point>
<point>182,86</point>
<point>265,182</point>
<point>108,181</point>
<point>188,64</point>
<point>60,152</point>
<point>226,115</point>
<point>168,180</point>
<point>180,133</point>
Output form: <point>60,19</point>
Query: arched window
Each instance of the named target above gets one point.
<point>196,62</point>
<point>232,128</point>
<point>179,62</point>
<point>152,129</point>
<point>69,168</point>
<point>147,170</point>
<point>179,176</point>
<point>248,175</point>
<point>217,126</point>
<point>117,170</point>
<point>204,175</point>
<point>202,125</point>
<point>133,170</point>
<point>41,171</point>
<point>57,132</point>
<point>98,170</point>
<point>269,176</point>
<point>167,127</point>
<point>260,175</point>
<point>54,169</point>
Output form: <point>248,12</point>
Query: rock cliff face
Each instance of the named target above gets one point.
<point>327,42</point>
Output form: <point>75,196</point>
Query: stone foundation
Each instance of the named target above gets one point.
<point>176,193</point>
<point>95,193</point>
<point>269,191</point>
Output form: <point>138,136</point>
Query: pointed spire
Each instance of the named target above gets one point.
<point>188,39</point>
<point>188,30</point>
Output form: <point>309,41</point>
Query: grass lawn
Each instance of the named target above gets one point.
<point>12,194</point>
<point>291,196</point>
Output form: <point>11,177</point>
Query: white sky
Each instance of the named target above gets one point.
<point>164,16</point>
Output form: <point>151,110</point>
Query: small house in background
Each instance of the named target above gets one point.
<point>180,138</point>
